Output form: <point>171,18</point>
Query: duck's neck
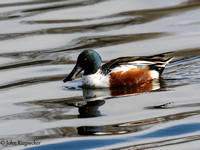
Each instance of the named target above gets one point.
<point>90,71</point>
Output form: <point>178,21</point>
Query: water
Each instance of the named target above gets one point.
<point>39,44</point>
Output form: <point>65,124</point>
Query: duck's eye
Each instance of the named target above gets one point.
<point>85,58</point>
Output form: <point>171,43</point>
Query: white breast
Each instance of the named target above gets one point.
<point>96,80</point>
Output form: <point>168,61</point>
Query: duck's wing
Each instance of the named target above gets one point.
<point>154,62</point>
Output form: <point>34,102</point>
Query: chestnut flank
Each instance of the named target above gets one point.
<point>133,76</point>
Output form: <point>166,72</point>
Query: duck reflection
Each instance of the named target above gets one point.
<point>90,109</point>
<point>95,98</point>
<point>88,106</point>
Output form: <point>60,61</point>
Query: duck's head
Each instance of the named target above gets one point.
<point>88,61</point>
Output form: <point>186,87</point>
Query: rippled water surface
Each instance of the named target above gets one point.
<point>39,44</point>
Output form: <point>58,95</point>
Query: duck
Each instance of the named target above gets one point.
<point>122,71</point>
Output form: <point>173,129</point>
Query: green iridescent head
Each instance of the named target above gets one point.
<point>89,61</point>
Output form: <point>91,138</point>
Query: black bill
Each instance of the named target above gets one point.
<point>77,69</point>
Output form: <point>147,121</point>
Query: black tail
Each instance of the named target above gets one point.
<point>159,64</point>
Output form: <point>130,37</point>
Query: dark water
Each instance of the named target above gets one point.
<point>39,43</point>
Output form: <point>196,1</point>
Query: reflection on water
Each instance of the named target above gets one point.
<point>91,143</point>
<point>87,104</point>
<point>39,43</point>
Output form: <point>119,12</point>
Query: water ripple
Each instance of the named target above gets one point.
<point>40,41</point>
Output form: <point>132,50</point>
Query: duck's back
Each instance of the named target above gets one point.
<point>125,71</point>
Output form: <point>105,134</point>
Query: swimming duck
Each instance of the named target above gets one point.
<point>122,71</point>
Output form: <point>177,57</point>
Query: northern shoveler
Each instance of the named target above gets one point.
<point>121,71</point>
